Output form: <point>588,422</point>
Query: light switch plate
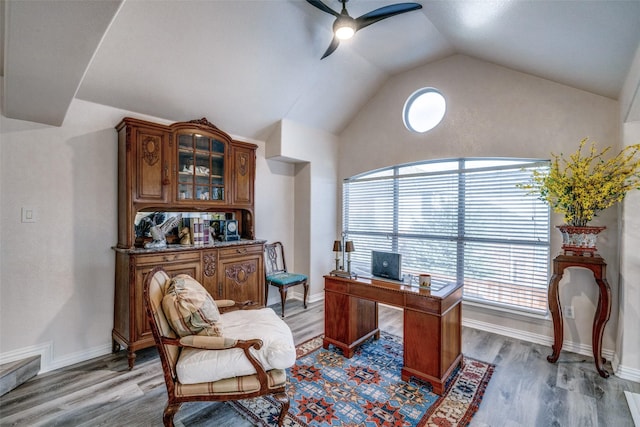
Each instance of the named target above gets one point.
<point>28,214</point>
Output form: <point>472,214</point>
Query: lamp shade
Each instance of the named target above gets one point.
<point>349,246</point>
<point>337,246</point>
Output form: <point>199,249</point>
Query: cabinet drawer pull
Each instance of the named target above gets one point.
<point>241,251</point>
<point>168,258</point>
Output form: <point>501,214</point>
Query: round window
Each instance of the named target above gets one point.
<point>424,109</point>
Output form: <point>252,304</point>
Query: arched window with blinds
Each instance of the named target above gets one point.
<point>460,220</point>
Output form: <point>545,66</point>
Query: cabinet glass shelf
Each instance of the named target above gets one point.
<point>201,168</point>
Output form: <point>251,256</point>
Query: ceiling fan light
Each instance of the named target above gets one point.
<point>344,32</point>
<point>344,27</point>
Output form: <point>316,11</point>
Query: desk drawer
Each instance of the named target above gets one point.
<point>335,286</point>
<point>387,296</point>
<point>428,305</point>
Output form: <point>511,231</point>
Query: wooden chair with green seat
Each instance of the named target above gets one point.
<point>276,274</point>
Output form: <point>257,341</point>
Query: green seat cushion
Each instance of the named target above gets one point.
<point>283,279</point>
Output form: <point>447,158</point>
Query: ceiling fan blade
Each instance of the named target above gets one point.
<point>323,7</point>
<point>333,46</point>
<point>384,12</point>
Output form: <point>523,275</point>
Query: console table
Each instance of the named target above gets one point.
<point>598,267</point>
<point>432,323</point>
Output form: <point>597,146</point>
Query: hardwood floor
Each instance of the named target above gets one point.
<point>525,389</point>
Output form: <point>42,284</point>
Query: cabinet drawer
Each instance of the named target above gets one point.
<point>236,251</point>
<point>167,257</point>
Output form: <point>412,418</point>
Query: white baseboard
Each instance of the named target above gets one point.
<point>633,400</point>
<point>299,295</point>
<point>44,350</point>
<point>625,372</point>
<point>47,360</point>
<point>573,347</point>
<point>620,371</point>
<point>80,356</point>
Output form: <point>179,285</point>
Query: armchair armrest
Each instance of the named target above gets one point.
<point>222,303</point>
<point>226,305</point>
<point>208,343</point>
<point>218,343</point>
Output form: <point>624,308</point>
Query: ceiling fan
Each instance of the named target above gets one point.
<point>344,27</point>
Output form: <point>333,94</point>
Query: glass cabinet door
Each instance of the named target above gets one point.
<point>200,168</point>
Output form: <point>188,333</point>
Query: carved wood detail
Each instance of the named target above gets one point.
<point>239,273</point>
<point>209,265</point>
<point>244,162</point>
<point>151,150</point>
<point>204,122</point>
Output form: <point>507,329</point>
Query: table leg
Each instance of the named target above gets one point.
<point>556,315</point>
<point>600,318</point>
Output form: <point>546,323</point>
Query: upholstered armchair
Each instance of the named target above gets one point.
<point>208,356</point>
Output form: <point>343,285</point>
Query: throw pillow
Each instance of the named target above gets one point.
<point>190,309</point>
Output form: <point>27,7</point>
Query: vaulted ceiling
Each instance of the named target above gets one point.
<point>245,64</point>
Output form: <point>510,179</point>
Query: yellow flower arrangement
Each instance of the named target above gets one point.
<point>582,186</point>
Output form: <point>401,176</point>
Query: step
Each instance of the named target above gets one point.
<point>13,374</point>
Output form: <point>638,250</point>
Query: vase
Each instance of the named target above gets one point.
<point>579,240</point>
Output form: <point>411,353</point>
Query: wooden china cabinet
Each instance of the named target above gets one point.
<point>183,168</point>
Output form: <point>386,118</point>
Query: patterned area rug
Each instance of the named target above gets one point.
<point>327,389</point>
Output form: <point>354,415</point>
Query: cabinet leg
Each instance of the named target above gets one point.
<point>115,346</point>
<point>131,357</point>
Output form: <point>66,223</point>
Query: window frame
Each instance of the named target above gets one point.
<point>416,124</point>
<point>538,241</point>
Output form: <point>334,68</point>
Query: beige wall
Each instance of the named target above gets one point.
<point>56,281</point>
<point>314,154</point>
<point>627,359</point>
<point>495,111</point>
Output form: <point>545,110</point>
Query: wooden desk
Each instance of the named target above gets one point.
<point>432,323</point>
<point>599,269</point>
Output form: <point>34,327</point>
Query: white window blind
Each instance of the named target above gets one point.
<point>461,220</point>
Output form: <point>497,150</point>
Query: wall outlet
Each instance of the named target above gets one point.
<point>568,312</point>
